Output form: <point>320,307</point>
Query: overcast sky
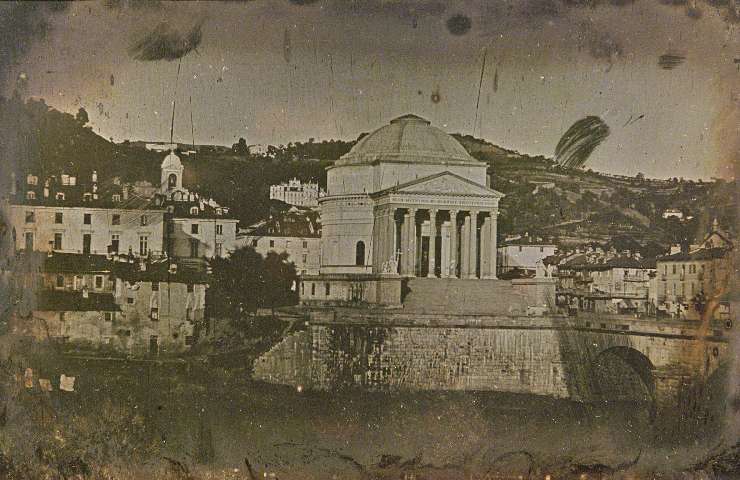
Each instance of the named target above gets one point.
<point>279,71</point>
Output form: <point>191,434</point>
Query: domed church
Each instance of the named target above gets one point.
<point>407,201</point>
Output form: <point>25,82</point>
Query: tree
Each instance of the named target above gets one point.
<point>82,117</point>
<point>236,283</point>
<point>279,279</point>
<point>241,147</point>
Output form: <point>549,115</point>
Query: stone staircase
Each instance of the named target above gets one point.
<point>463,297</point>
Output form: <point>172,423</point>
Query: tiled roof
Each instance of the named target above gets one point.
<point>62,301</point>
<point>76,263</point>
<point>296,222</point>
<point>158,272</point>
<point>701,254</point>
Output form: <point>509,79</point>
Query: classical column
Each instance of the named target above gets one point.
<point>465,248</point>
<point>390,235</point>
<point>378,222</point>
<point>432,242</point>
<point>485,236</point>
<point>452,264</point>
<point>473,271</point>
<point>492,244</point>
<point>412,242</point>
<point>405,243</point>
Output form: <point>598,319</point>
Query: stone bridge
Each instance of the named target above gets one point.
<point>584,358</point>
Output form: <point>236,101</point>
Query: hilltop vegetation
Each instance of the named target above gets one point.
<point>568,206</point>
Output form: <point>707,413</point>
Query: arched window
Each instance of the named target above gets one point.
<point>360,253</point>
<point>172,181</point>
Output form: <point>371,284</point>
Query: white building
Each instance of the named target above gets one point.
<point>74,217</point>
<point>673,213</point>
<point>523,256</point>
<point>296,232</point>
<point>197,227</point>
<point>295,192</point>
<point>406,200</point>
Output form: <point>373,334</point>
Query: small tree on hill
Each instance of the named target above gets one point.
<point>241,147</point>
<point>82,117</point>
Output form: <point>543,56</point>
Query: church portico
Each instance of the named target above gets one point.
<point>406,202</point>
<point>437,241</point>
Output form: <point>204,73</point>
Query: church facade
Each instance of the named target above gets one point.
<point>406,201</point>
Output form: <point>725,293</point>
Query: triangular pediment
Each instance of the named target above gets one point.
<point>445,183</point>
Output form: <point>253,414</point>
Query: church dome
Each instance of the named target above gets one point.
<point>408,139</point>
<point>171,162</point>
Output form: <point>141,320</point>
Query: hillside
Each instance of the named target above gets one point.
<point>572,206</point>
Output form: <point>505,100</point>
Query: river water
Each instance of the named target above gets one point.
<point>212,419</point>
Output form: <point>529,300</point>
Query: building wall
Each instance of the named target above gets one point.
<point>365,178</point>
<point>345,221</point>
<point>297,193</point>
<point>101,228</point>
<point>96,282</point>
<point>178,311</point>
<point>678,282</point>
<point>522,256</point>
<point>304,252</point>
<point>208,240</point>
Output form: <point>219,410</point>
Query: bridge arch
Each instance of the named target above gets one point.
<point>624,374</point>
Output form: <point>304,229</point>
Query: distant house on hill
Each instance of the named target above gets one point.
<point>673,213</point>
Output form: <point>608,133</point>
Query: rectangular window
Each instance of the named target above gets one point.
<point>190,288</point>
<point>254,243</point>
<point>86,242</point>
<point>542,249</point>
<point>219,249</point>
<point>219,229</point>
<point>115,219</point>
<point>155,286</point>
<point>116,197</point>
<point>194,228</point>
<point>305,244</point>
<point>115,241</point>
<point>29,241</point>
<point>58,217</point>
<point>304,258</point>
<point>130,300</point>
<point>87,219</point>
<point>674,268</point>
<point>327,288</point>
<point>57,241</point>
<point>143,245</point>
<point>194,248</point>
<point>144,221</point>
<point>30,217</point>
<point>272,243</point>
<point>313,289</point>
<point>98,282</point>
<point>109,316</point>
<point>154,314</point>
<point>60,281</point>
